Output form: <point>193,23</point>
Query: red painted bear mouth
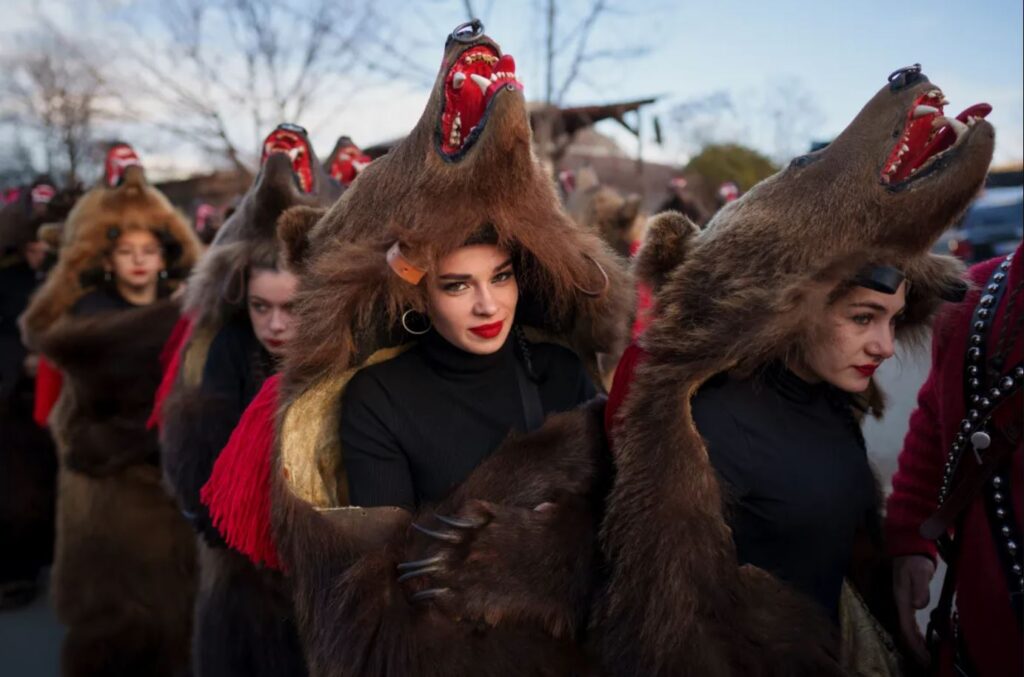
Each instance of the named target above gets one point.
<point>296,147</point>
<point>348,162</point>
<point>470,86</point>
<point>119,158</point>
<point>928,135</point>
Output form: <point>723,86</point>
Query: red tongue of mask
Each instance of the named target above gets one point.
<point>947,137</point>
<point>924,142</point>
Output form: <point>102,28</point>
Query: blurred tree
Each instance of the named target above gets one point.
<point>731,162</point>
<point>222,72</point>
<point>780,117</point>
<point>52,83</point>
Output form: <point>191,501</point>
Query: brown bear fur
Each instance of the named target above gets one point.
<point>519,587</point>
<point>599,207</point>
<point>742,294</point>
<point>244,619</point>
<point>124,567</point>
<point>354,618</point>
<point>133,204</point>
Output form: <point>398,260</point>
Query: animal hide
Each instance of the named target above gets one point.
<point>243,616</point>
<point>132,204</point>
<point>467,163</point>
<point>124,568</point>
<point>736,296</point>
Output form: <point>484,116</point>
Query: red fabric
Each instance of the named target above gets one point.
<point>48,384</point>
<point>990,631</point>
<point>238,491</point>
<point>170,360</point>
<point>621,384</point>
<point>644,299</point>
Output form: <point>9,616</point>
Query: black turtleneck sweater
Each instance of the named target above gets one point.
<point>794,473</point>
<point>414,427</point>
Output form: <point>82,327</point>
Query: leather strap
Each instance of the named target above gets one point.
<point>402,266</point>
<point>529,394</point>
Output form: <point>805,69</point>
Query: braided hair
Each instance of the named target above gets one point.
<point>523,352</point>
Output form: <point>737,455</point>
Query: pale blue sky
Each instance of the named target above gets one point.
<point>837,54</point>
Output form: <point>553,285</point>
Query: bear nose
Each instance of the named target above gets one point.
<point>906,76</point>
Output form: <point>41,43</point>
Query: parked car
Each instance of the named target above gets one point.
<point>992,226</point>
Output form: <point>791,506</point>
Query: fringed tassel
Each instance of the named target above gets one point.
<point>170,360</point>
<point>238,491</point>
<point>48,384</point>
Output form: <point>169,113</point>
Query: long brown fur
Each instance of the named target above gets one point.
<point>520,585</point>
<point>354,618</point>
<point>743,294</point>
<point>124,567</point>
<point>244,619</point>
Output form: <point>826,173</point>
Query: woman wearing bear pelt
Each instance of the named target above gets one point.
<point>239,324</point>
<point>124,566</point>
<point>415,426</point>
<point>736,451</point>
<point>432,298</point>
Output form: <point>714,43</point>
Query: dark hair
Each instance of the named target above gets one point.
<point>264,256</point>
<point>487,234</point>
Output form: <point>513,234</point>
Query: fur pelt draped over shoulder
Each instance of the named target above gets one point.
<point>731,298</point>
<point>124,567</point>
<point>428,196</point>
<point>244,619</point>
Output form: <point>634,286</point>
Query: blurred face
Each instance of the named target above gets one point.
<point>136,260</point>
<point>473,298</point>
<point>856,337</point>
<point>271,296</point>
<point>35,254</point>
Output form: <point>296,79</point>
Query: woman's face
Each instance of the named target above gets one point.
<point>271,295</point>
<point>473,298</point>
<point>136,260</point>
<point>857,336</point>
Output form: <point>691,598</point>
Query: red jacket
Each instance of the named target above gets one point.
<point>990,631</point>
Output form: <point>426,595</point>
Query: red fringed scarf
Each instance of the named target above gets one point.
<point>48,383</point>
<point>238,491</point>
<point>170,360</point>
<point>644,299</point>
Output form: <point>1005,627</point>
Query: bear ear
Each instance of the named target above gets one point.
<point>666,243</point>
<point>293,228</point>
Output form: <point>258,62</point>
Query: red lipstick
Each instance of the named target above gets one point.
<point>274,343</point>
<point>867,370</point>
<point>488,331</point>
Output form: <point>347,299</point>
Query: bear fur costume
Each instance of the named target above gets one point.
<point>468,162</point>
<point>244,623</point>
<point>615,218</point>
<point>734,297</point>
<point>124,567</point>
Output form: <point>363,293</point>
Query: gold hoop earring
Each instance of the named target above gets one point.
<point>606,282</point>
<point>405,324</point>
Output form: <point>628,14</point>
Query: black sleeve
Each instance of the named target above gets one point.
<point>225,373</point>
<point>565,383</point>
<point>192,447</point>
<point>377,467</point>
<point>727,443</point>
